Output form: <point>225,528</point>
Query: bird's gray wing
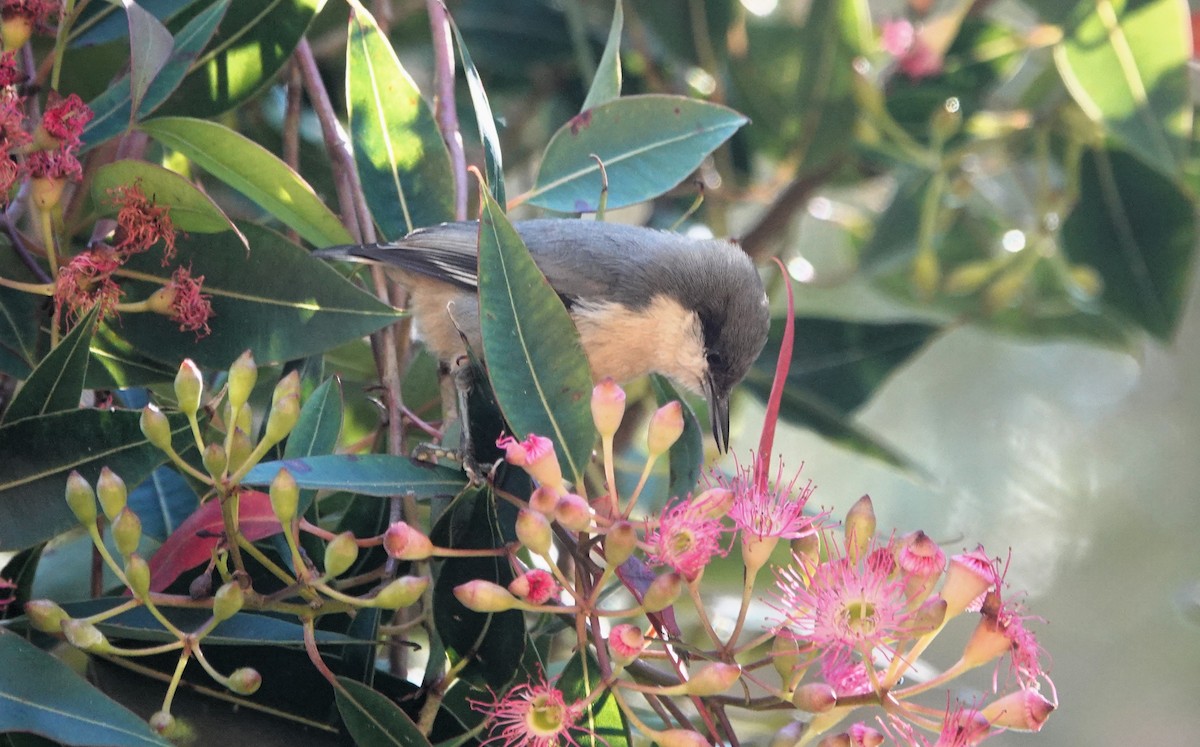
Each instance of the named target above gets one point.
<point>444,252</point>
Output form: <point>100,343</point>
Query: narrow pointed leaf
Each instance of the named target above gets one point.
<point>369,474</point>
<point>606,86</point>
<point>1138,230</point>
<point>372,719</point>
<point>163,501</point>
<point>648,145</point>
<point>150,46</point>
<point>1125,63</point>
<point>99,23</point>
<point>191,209</point>
<point>493,160</point>
<point>255,172</point>
<point>114,107</point>
<point>50,700</point>
<point>277,300</point>
<point>20,316</point>
<point>534,358</point>
<point>57,382</point>
<point>398,149</point>
<point>40,452</point>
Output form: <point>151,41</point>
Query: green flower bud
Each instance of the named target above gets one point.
<point>814,697</point>
<point>240,449</point>
<point>163,724</point>
<point>45,616</point>
<point>113,495</point>
<point>533,530</point>
<point>285,497</point>
<point>288,386</point>
<point>244,681</point>
<point>137,573</point>
<point>85,636</point>
<point>860,528</point>
<point>485,596</point>
<point>282,419</point>
<point>619,543</point>
<point>126,532</point>
<point>662,592</point>
<point>155,427</point>
<point>81,499</point>
<point>228,601</point>
<point>1006,289</point>
<point>216,461</point>
<point>969,277</point>
<point>713,679</point>
<point>340,554</point>
<point>243,375</point>
<point>189,387</point>
<point>401,592</point>
<point>785,657</point>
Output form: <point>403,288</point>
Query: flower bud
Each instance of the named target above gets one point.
<point>45,616</point>
<point>533,530</point>
<point>285,497</point>
<point>808,548</point>
<point>987,642</point>
<point>922,562</point>
<point>85,636</point>
<point>126,532</point>
<point>163,724</point>
<point>969,277</point>
<point>860,528</point>
<point>1006,289</point>
<point>243,375</point>
<point>713,679</point>
<point>155,427</point>
<point>573,512</point>
<point>81,499</point>
<point>814,697</point>
<point>137,573</point>
<point>968,577</point>
<point>189,387</point>
<point>403,542</point>
<point>535,586</point>
<point>619,543</point>
<point>862,735</point>
<point>536,455</point>
<point>228,601</point>
<point>544,499</point>
<point>608,407</point>
<point>926,275</point>
<point>484,596</point>
<point>201,586</point>
<point>401,592</point>
<point>714,502</point>
<point>240,449</point>
<point>46,191</point>
<point>662,592</point>
<point>785,657</point>
<point>284,415</point>
<point>666,426</point>
<point>15,30</point>
<point>340,554</point>
<point>679,738</point>
<point>113,495</point>
<point>789,735</point>
<point>288,386</point>
<point>626,643</point>
<point>928,617</point>
<point>216,461</point>
<point>244,681</point>
<point>1023,710</point>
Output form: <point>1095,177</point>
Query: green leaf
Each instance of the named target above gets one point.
<point>150,46</point>
<point>162,502</point>
<point>40,452</point>
<point>687,454</point>
<point>51,700</point>
<point>191,209</point>
<point>57,382</point>
<point>99,23</point>
<point>255,172</point>
<point>493,160</point>
<point>534,358</point>
<point>255,41</point>
<point>1138,230</point>
<point>398,149</point>
<point>20,314</point>
<point>602,723</point>
<point>117,364</point>
<point>648,144</point>
<point>372,719</point>
<point>1125,63</point>
<point>370,474</point>
<point>114,107</point>
<point>606,85</point>
<point>277,300</point>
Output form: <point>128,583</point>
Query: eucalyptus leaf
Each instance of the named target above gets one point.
<point>606,85</point>
<point>368,474</point>
<point>150,46</point>
<point>372,719</point>
<point>57,382</point>
<point>493,160</point>
<point>603,722</point>
<point>191,209</point>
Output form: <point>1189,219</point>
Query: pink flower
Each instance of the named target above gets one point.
<point>763,511</point>
<point>10,73</point>
<point>536,455</point>
<point>65,118</point>
<point>189,307</point>
<point>913,54</point>
<point>534,714</point>
<point>86,281</point>
<point>54,164</point>
<point>535,586</point>
<point>687,538</point>
<point>140,223</point>
<point>962,726</point>
<point>846,675</point>
<point>12,119</point>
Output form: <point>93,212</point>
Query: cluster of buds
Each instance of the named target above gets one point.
<point>854,613</point>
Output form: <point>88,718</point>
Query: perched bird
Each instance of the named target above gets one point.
<point>643,300</point>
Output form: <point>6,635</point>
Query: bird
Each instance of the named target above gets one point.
<point>644,300</point>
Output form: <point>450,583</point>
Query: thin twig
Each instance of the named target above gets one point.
<point>444,103</point>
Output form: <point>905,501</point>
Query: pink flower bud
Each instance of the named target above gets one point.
<point>666,426</point>
<point>1023,710</point>
<point>533,530</point>
<point>484,596</point>
<point>862,735</point>
<point>968,578</point>
<point>403,542</point>
<point>620,542</point>
<point>608,407</point>
<point>573,512</point>
<point>987,643</point>
<point>715,503</point>
<point>814,697</point>
<point>535,586</point>
<point>626,643</point>
<point>922,561</point>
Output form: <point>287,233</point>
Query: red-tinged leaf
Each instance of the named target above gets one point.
<point>192,543</point>
<point>782,366</point>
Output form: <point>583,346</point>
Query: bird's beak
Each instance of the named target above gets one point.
<point>718,414</point>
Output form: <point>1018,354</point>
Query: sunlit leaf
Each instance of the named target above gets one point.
<point>191,209</point>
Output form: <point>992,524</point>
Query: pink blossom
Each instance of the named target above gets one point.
<point>535,586</point>
<point>534,714</point>
<point>686,538</point>
<point>913,54</point>
<point>189,306</point>
<point>764,511</point>
<point>65,118</point>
